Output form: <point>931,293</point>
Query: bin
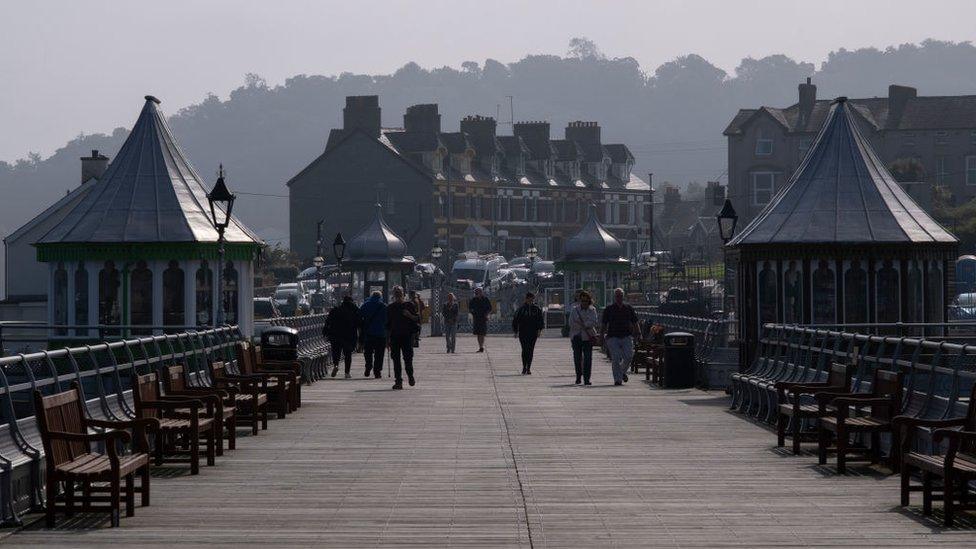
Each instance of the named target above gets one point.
<point>279,343</point>
<point>679,361</point>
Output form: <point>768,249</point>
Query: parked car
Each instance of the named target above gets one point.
<point>290,299</point>
<point>265,308</point>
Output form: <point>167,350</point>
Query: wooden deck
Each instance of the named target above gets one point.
<point>477,455</point>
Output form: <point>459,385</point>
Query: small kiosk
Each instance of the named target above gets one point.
<point>377,260</point>
<point>592,261</point>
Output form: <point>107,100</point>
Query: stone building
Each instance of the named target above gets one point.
<point>470,189</point>
<point>935,137</point>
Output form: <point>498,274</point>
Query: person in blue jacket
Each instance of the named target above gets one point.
<point>373,314</point>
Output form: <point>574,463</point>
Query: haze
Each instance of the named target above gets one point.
<point>72,67</point>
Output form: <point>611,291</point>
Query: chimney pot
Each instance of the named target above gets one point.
<point>93,166</point>
<point>362,111</point>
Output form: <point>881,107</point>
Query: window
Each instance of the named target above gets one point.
<point>173,283</point>
<point>61,297</point>
<point>532,208</point>
<point>793,293</point>
<point>972,137</point>
<point>109,284</point>
<point>141,295</point>
<point>889,308</point>
<point>855,294</point>
<point>766,281</point>
<point>824,292</point>
<point>763,187</point>
<point>933,293</point>
<point>474,207</point>
<point>941,138</point>
<point>971,170</point>
<point>764,146</point>
<point>804,146</point>
<point>230,293</point>
<point>908,139</point>
<point>81,296</point>
<point>204,295</point>
<point>915,310</point>
<point>941,169</point>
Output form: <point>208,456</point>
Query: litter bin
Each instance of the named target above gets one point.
<point>279,343</point>
<point>679,361</point>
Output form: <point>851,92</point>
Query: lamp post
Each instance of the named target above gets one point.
<point>435,293</point>
<point>727,218</point>
<point>221,204</point>
<point>339,249</point>
<point>532,252</point>
<point>651,262</point>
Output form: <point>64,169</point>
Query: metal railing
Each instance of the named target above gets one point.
<point>313,346</point>
<point>102,371</point>
<point>24,333</point>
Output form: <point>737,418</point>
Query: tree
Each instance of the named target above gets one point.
<point>584,48</point>
<point>907,170</point>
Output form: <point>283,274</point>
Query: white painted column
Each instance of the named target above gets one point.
<point>51,267</point>
<point>157,267</point>
<point>190,291</point>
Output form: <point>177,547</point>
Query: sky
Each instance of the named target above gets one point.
<point>70,67</point>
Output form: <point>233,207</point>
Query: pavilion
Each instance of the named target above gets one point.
<point>141,248</point>
<point>377,259</point>
<point>841,244</point>
<point>592,261</point>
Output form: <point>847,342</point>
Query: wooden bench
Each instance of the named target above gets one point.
<point>70,460</point>
<point>250,395</point>
<point>281,384</point>
<point>182,422</point>
<point>884,402</point>
<point>796,404</point>
<point>175,384</point>
<point>955,468</point>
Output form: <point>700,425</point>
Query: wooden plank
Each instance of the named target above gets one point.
<point>456,461</point>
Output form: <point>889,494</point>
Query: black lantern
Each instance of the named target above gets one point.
<point>727,218</point>
<point>221,203</point>
<point>339,248</point>
<point>436,252</point>
<point>532,252</point>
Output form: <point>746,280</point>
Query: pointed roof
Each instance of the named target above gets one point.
<point>377,243</point>
<point>842,194</point>
<point>593,243</point>
<point>149,194</point>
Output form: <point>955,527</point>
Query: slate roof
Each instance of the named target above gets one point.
<point>567,150</point>
<point>456,142</point>
<point>920,113</point>
<point>149,194</point>
<point>842,194</point>
<point>619,153</point>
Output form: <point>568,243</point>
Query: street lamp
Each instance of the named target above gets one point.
<point>532,252</point>
<point>727,218</point>
<point>435,325</point>
<point>339,249</point>
<point>221,204</point>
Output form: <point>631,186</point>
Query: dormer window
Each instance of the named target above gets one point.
<point>764,146</point>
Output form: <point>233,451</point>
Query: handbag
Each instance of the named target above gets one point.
<point>591,334</point>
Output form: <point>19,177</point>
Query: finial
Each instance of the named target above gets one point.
<point>841,99</point>
<point>153,99</point>
<point>220,171</point>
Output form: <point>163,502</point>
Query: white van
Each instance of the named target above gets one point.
<point>480,270</point>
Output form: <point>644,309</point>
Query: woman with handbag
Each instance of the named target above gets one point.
<point>583,322</point>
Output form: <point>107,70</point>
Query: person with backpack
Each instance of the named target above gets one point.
<point>373,333</point>
<point>402,325</point>
<point>342,331</point>
<point>527,324</point>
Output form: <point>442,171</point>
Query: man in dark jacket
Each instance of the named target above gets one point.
<point>527,324</point>
<point>402,323</point>
<point>342,331</point>
<point>479,307</point>
<point>373,317</point>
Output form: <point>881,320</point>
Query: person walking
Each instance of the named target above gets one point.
<point>480,308</point>
<point>342,331</point>
<point>449,317</point>
<point>373,333</point>
<point>402,324</point>
<point>527,324</point>
<point>583,324</point>
<point>420,306</point>
<point>619,327</point>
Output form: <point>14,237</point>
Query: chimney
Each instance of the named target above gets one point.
<point>672,197</point>
<point>481,132</point>
<point>898,97</point>
<point>583,132</point>
<point>362,111</point>
<point>535,135</point>
<point>808,98</point>
<point>93,166</point>
<point>717,191</point>
<point>422,118</point>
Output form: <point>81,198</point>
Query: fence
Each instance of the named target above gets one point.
<point>939,375</point>
<point>100,370</point>
<point>313,347</point>
<point>715,356</point>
